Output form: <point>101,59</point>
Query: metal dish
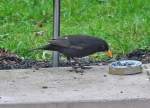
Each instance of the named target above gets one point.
<point>125,67</point>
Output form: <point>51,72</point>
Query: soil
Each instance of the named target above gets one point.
<point>9,60</point>
<point>142,55</point>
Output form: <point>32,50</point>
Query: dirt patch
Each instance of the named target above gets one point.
<point>142,55</point>
<point>9,60</point>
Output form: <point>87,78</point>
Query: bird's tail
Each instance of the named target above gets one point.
<point>45,47</point>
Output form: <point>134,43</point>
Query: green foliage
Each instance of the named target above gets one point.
<point>123,23</point>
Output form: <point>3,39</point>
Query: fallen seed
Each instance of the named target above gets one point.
<point>44,87</point>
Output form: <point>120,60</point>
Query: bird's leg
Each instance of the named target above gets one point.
<point>81,65</point>
<point>77,66</point>
<point>77,62</point>
<point>85,67</point>
<point>69,61</point>
<point>74,68</point>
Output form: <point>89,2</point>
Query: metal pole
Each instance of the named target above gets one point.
<point>56,29</point>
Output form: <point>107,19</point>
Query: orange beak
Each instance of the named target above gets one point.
<point>109,53</point>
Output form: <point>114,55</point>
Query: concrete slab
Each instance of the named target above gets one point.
<point>59,88</point>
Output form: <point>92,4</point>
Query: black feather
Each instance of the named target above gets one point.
<point>76,45</point>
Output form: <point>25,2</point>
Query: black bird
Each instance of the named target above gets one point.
<point>77,46</point>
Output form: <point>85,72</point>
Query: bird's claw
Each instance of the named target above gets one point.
<point>77,70</point>
<point>83,67</point>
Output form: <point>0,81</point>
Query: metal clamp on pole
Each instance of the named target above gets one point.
<point>56,29</point>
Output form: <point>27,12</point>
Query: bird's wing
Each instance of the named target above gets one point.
<point>64,43</point>
<point>82,42</point>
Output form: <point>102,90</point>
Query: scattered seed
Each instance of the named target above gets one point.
<point>121,91</point>
<point>74,77</point>
<point>105,75</point>
<point>75,90</point>
<point>122,64</point>
<point>44,87</point>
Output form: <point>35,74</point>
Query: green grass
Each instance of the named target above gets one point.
<point>123,23</point>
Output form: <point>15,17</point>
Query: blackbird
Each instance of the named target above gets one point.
<point>77,46</point>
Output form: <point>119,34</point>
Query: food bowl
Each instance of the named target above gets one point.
<point>125,67</point>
